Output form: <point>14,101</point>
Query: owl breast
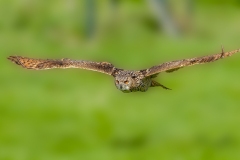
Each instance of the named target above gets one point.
<point>143,85</point>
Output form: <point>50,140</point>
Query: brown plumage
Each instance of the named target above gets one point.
<point>175,65</point>
<point>43,64</point>
<point>125,80</point>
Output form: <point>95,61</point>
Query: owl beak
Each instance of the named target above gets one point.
<point>124,88</point>
<point>121,87</point>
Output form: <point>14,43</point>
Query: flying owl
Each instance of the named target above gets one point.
<point>125,80</point>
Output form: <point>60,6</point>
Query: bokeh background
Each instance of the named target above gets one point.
<point>78,114</point>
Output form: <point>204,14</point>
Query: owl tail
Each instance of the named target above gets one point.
<point>155,84</point>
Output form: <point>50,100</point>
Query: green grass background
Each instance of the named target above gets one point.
<point>77,114</point>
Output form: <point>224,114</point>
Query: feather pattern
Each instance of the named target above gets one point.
<point>175,65</point>
<point>43,64</point>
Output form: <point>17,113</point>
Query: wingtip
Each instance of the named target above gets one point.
<point>235,51</point>
<point>10,57</point>
<point>14,59</point>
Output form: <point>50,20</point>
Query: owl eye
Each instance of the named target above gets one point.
<point>126,82</point>
<point>117,81</point>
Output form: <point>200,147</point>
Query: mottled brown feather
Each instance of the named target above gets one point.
<point>175,65</point>
<point>43,64</point>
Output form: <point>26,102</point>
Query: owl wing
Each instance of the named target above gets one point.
<point>43,64</point>
<point>175,65</point>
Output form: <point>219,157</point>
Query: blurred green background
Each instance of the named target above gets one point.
<point>78,114</point>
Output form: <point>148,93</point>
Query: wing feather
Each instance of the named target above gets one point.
<point>175,65</point>
<point>43,64</point>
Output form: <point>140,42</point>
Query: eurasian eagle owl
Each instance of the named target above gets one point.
<point>125,80</point>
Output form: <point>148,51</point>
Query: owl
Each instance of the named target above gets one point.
<point>125,80</point>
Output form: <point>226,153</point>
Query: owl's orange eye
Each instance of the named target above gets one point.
<point>117,81</point>
<point>126,82</point>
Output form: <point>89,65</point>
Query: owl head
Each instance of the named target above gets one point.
<point>124,83</point>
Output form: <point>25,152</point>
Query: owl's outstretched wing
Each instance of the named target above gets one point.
<point>43,64</point>
<point>175,65</point>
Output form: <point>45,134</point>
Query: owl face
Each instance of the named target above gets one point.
<point>128,81</point>
<point>124,83</point>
